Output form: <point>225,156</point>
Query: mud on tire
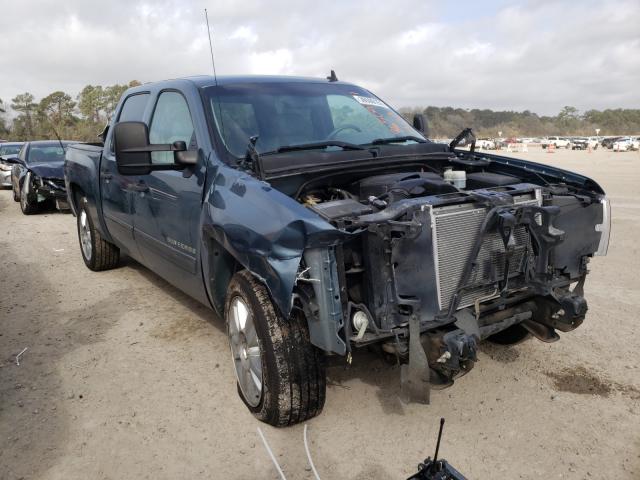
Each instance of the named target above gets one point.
<point>293,370</point>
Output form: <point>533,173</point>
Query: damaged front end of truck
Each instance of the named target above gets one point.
<point>426,268</point>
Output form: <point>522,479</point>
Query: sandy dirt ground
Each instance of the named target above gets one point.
<point>125,377</point>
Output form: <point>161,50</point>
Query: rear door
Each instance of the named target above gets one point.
<point>168,203</point>
<point>118,190</point>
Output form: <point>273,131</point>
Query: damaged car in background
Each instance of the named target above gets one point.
<point>8,151</point>
<point>316,221</point>
<point>37,176</point>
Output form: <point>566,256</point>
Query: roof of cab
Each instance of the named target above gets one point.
<point>203,81</point>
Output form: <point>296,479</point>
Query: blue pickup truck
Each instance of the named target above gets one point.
<point>315,220</point>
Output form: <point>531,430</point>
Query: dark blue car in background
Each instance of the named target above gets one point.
<point>37,175</point>
<point>315,220</point>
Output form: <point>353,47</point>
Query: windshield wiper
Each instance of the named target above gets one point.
<point>386,141</point>
<point>315,145</point>
<point>251,160</point>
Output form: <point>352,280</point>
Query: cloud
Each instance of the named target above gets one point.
<point>532,55</point>
<point>272,62</point>
<point>244,33</point>
<point>418,35</point>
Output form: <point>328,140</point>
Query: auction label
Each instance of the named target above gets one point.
<point>369,101</point>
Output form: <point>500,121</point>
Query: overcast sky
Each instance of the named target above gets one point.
<point>538,55</point>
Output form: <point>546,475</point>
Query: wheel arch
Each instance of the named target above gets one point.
<point>75,194</point>
<point>218,268</point>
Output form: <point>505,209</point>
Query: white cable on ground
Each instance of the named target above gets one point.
<point>306,447</point>
<point>273,458</point>
<point>19,355</point>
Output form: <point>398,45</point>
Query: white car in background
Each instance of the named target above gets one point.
<point>485,144</point>
<point>593,142</point>
<point>625,144</point>
<point>558,142</point>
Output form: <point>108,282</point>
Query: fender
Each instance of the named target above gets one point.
<point>264,230</point>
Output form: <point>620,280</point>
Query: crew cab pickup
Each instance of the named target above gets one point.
<point>315,220</point>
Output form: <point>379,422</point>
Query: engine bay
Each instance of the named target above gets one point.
<point>435,241</point>
<point>377,192</point>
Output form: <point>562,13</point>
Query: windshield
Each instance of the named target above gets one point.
<point>45,154</point>
<point>296,113</point>
<point>9,149</point>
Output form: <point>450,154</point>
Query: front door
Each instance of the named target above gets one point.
<point>117,190</point>
<point>168,203</point>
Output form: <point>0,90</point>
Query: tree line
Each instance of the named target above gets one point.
<point>446,122</point>
<point>59,113</point>
<point>83,117</point>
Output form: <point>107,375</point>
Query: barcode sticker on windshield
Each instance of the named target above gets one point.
<point>369,101</point>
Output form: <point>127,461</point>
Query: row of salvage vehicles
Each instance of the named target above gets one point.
<point>35,172</point>
<point>315,220</point>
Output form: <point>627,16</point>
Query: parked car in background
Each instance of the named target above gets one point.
<point>593,142</point>
<point>623,144</point>
<point>558,142</point>
<point>37,175</point>
<point>608,142</point>
<point>583,143</point>
<point>579,143</point>
<point>313,227</point>
<point>485,144</point>
<point>7,150</point>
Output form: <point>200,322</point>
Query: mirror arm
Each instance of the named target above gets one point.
<point>167,166</point>
<point>160,147</point>
<point>186,157</point>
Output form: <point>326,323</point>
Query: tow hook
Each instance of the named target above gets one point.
<point>564,313</point>
<point>451,354</point>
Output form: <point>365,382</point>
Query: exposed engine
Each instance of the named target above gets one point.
<point>375,193</point>
<point>467,253</point>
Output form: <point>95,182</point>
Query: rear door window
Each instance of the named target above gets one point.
<point>133,108</point>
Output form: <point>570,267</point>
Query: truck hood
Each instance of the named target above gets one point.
<point>48,169</point>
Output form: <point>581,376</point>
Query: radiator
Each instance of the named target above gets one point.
<point>455,230</point>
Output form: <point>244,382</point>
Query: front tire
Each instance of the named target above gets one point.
<point>97,253</point>
<point>281,375</point>
<point>28,204</point>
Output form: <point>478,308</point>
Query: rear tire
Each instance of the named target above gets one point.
<point>97,253</point>
<point>293,378</point>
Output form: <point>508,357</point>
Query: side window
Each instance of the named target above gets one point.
<point>132,110</point>
<point>171,122</point>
